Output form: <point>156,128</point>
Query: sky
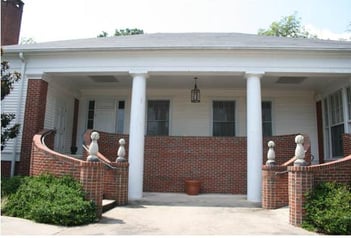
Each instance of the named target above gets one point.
<point>51,20</point>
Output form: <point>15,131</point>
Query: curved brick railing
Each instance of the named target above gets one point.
<point>115,173</point>
<point>46,160</point>
<point>303,179</point>
<point>98,181</point>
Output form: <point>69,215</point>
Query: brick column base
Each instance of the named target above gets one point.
<point>274,187</point>
<point>91,177</point>
<point>116,183</point>
<point>300,182</point>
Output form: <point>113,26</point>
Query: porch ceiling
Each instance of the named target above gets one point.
<point>183,80</point>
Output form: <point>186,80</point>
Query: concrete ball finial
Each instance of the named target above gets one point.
<point>271,144</point>
<point>122,141</point>
<point>299,139</point>
<point>95,135</point>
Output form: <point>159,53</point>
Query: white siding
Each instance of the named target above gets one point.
<point>15,103</point>
<point>293,112</point>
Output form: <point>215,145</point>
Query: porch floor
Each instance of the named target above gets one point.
<point>201,200</point>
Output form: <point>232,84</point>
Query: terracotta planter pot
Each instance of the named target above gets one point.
<point>192,187</point>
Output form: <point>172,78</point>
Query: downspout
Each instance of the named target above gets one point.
<point>18,111</point>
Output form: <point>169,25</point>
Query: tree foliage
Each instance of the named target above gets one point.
<point>288,26</point>
<point>123,32</point>
<point>7,80</point>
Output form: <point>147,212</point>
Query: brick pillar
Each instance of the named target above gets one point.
<point>34,117</point>
<point>91,177</point>
<point>300,182</point>
<point>116,183</point>
<point>274,187</point>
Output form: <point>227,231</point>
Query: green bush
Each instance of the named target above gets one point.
<point>328,209</point>
<point>10,185</point>
<point>52,200</point>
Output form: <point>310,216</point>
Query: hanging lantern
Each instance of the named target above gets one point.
<point>195,93</point>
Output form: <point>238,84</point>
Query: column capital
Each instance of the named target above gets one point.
<point>257,74</point>
<point>142,73</point>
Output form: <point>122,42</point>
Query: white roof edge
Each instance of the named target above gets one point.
<point>103,49</point>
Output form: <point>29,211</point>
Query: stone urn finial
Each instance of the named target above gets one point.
<point>299,151</point>
<point>93,147</point>
<point>271,153</point>
<point>121,151</point>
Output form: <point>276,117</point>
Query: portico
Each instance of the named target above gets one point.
<point>251,86</point>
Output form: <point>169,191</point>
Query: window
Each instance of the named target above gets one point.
<point>158,117</point>
<point>267,118</point>
<point>223,118</point>
<point>120,116</point>
<point>336,123</point>
<point>91,112</point>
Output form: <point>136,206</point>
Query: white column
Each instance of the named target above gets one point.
<point>136,137</point>
<point>254,137</point>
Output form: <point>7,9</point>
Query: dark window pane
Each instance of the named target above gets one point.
<point>158,117</point>
<point>91,109</point>
<point>223,129</point>
<point>336,136</point>
<point>267,129</point>
<point>90,124</point>
<point>121,105</point>
<point>223,118</point>
<point>91,105</point>
<point>267,118</point>
<point>157,128</point>
<point>91,114</point>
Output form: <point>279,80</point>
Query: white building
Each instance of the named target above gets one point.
<point>140,85</point>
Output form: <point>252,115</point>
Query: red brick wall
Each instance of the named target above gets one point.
<point>300,182</point>
<point>303,179</point>
<point>108,144</point>
<point>91,177</point>
<point>116,182</point>
<point>33,119</point>
<point>346,138</point>
<point>45,161</point>
<point>219,162</point>
<point>274,187</point>
<point>90,174</point>
<point>284,147</point>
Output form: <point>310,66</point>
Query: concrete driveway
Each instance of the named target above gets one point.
<point>173,214</point>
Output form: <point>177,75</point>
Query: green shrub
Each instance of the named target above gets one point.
<point>52,200</point>
<point>328,209</point>
<point>10,185</point>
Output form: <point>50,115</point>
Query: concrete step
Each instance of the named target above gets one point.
<point>108,205</point>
